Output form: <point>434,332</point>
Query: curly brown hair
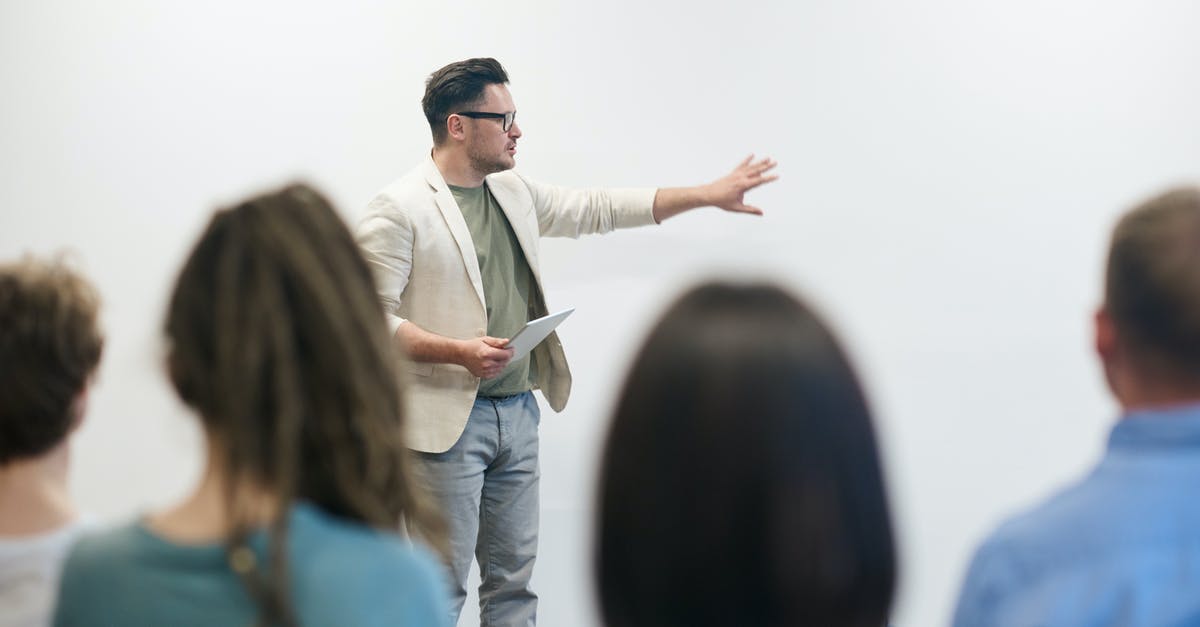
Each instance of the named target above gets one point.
<point>50,344</point>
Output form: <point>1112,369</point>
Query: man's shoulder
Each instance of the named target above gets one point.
<point>1051,521</point>
<point>1083,549</point>
<point>508,181</point>
<point>399,201</point>
<point>1014,558</point>
<point>410,184</point>
<point>1076,525</point>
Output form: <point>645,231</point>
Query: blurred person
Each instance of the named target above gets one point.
<point>454,244</point>
<point>50,347</point>
<point>278,344</point>
<point>1121,546</point>
<point>740,483</point>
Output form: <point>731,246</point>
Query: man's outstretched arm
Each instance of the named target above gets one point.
<point>727,192</point>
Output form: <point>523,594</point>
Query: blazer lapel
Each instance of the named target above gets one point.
<point>528,240</point>
<point>457,225</point>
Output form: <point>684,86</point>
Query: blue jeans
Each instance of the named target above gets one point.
<point>487,486</point>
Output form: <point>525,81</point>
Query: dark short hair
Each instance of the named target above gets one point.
<point>455,86</point>
<point>50,343</point>
<point>1152,287</point>
<point>740,483</point>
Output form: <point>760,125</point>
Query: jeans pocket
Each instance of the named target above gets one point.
<point>531,406</point>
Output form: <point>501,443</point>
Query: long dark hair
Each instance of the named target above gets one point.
<point>278,342</point>
<point>741,484</point>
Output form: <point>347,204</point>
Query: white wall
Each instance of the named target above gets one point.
<point>950,172</point>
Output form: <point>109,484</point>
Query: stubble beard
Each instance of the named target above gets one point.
<point>489,164</point>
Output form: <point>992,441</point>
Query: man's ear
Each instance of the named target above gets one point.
<point>80,404</point>
<point>454,127</point>
<point>1106,335</point>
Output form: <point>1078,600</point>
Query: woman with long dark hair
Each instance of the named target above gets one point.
<point>741,484</point>
<point>277,342</point>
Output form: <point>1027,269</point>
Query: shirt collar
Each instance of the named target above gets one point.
<point>1173,428</point>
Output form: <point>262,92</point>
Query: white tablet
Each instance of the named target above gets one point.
<point>534,332</point>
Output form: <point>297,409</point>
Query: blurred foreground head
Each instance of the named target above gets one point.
<point>278,342</point>
<point>741,484</point>
<point>1148,329</point>
<point>50,345</point>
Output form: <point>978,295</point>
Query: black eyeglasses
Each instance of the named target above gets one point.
<point>506,119</point>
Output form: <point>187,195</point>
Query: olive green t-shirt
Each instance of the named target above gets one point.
<point>507,280</point>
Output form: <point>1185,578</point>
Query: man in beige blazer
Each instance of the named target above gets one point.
<point>454,248</point>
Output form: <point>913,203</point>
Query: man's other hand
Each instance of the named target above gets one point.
<point>486,356</point>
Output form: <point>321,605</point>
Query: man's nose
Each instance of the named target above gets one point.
<point>514,131</point>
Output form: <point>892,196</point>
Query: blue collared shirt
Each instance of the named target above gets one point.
<point>1120,547</point>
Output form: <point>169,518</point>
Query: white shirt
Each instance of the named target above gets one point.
<point>29,570</point>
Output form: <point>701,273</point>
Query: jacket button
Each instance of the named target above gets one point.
<point>478,332</point>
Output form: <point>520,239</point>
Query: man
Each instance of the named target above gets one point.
<point>50,345</point>
<point>1121,546</point>
<point>454,245</point>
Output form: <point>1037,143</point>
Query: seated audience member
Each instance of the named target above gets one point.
<point>277,342</point>
<point>741,484</point>
<point>50,345</point>
<point>1122,545</point>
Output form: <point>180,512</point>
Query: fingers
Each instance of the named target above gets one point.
<point>494,363</point>
<point>491,357</point>
<point>493,368</point>
<point>761,167</point>
<point>497,356</point>
<point>742,208</point>
<point>761,180</point>
<point>495,351</point>
<point>766,163</point>
<point>494,342</point>
<point>755,174</point>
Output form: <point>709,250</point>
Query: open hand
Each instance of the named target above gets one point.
<point>729,192</point>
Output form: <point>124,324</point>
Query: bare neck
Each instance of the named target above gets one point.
<point>204,516</point>
<point>1138,391</point>
<point>1153,401</point>
<point>455,167</point>
<point>33,494</point>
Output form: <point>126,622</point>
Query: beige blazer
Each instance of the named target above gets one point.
<point>420,251</point>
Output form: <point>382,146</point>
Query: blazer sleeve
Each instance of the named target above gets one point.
<point>386,238</point>
<point>565,212</point>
